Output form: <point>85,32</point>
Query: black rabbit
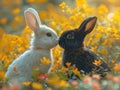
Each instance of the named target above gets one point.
<point>77,54</point>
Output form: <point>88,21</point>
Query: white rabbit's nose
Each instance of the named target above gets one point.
<point>57,38</point>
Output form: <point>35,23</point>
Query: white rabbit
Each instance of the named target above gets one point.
<point>43,40</point>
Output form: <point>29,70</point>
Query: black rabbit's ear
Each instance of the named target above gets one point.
<point>88,25</point>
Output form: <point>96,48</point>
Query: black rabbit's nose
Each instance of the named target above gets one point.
<point>60,41</point>
<point>57,40</point>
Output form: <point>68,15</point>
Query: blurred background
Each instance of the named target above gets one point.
<point>61,15</point>
<point>12,12</point>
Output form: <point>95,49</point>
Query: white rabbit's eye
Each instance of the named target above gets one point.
<point>49,34</point>
<point>70,36</point>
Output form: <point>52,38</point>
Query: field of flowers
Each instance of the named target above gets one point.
<point>104,41</point>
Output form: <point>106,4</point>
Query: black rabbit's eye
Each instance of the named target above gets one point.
<point>70,36</point>
<point>49,34</point>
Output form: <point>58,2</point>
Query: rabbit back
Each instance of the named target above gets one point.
<point>84,60</point>
<point>26,63</point>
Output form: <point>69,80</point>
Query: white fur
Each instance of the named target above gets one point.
<point>31,58</point>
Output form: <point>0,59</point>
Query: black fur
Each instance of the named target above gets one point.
<point>76,53</point>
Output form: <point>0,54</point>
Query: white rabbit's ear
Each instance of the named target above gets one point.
<point>32,18</point>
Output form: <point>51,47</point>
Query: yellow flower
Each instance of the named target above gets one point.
<point>113,60</point>
<point>65,69</point>
<point>45,61</point>
<point>117,67</point>
<point>30,1</point>
<point>43,15</point>
<point>104,52</point>
<point>37,86</point>
<point>3,20</point>
<point>26,83</point>
<point>102,9</point>
<point>40,1</point>
<point>68,64</point>
<point>2,73</point>
<point>97,62</point>
<point>76,71</point>
<point>21,49</point>
<point>53,81</point>
<point>116,17</point>
<point>63,83</point>
<point>16,11</point>
<point>81,2</point>
<point>59,60</point>
<point>36,1</point>
<point>63,4</point>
